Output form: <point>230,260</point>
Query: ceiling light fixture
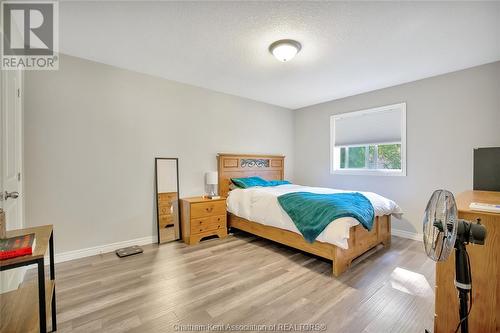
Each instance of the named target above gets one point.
<point>285,49</point>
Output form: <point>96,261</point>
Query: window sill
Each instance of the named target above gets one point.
<point>368,172</point>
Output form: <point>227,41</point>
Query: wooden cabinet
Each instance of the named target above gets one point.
<point>168,224</point>
<point>485,267</point>
<point>201,218</point>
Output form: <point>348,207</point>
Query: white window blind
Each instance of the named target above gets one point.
<point>365,128</point>
<point>369,142</point>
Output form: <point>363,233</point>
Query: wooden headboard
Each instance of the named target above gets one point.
<point>270,167</point>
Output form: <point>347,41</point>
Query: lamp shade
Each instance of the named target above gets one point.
<point>285,49</point>
<point>211,178</point>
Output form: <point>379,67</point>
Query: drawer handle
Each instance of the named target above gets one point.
<point>201,229</point>
<point>209,209</point>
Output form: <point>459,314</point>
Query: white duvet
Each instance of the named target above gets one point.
<point>260,204</point>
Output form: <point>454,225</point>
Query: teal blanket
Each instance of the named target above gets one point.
<point>312,212</point>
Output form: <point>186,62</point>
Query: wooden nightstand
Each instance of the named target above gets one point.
<point>201,218</point>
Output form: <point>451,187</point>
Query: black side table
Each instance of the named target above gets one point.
<point>20,312</point>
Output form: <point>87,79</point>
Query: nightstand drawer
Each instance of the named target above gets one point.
<point>207,224</point>
<point>203,209</point>
<point>208,220</point>
<point>218,219</point>
<point>196,223</point>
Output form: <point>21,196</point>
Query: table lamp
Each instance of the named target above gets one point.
<point>212,179</point>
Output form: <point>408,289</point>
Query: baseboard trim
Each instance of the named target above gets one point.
<point>407,234</point>
<point>92,251</point>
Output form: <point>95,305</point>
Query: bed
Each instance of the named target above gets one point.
<point>340,242</point>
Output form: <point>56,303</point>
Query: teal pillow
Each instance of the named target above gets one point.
<point>278,182</point>
<point>257,181</point>
<point>249,182</point>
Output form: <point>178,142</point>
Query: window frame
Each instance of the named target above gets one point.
<point>365,171</point>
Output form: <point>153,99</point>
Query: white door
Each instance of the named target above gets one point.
<point>11,118</point>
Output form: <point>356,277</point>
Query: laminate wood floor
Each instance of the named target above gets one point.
<point>245,280</point>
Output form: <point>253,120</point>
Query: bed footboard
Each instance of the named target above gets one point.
<point>360,240</point>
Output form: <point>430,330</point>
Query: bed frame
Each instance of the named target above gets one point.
<point>271,167</point>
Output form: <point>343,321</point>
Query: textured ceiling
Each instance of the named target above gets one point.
<point>347,47</point>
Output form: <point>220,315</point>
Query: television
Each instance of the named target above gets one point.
<point>487,169</point>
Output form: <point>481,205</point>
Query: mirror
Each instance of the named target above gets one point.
<point>167,199</point>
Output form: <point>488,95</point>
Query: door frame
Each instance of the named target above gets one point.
<point>12,278</point>
<point>20,123</point>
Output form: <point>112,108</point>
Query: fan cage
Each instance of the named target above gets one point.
<point>440,225</point>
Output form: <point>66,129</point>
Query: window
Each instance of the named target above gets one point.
<point>369,142</point>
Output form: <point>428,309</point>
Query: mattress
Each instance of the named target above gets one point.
<point>260,204</point>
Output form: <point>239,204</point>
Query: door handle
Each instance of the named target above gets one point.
<point>13,195</point>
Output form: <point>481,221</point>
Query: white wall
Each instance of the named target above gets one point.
<point>447,116</point>
<point>92,132</point>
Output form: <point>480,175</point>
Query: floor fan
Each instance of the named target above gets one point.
<point>443,231</point>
